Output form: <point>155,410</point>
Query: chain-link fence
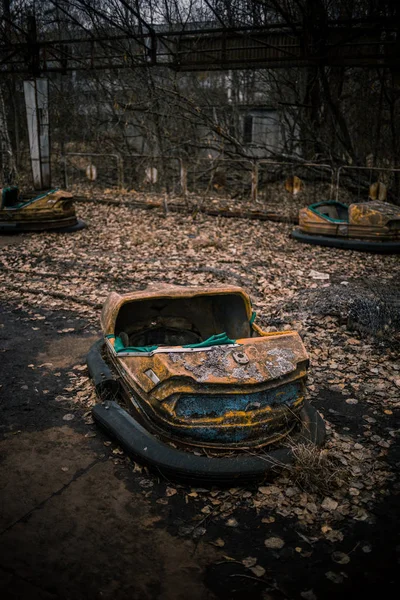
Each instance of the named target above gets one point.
<point>102,169</point>
<point>266,182</point>
<point>359,184</point>
<point>219,176</point>
<point>309,182</point>
<point>152,173</point>
<point>258,180</point>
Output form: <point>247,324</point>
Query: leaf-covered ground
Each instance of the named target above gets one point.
<point>354,380</point>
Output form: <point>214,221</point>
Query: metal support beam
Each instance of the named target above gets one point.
<point>36,92</point>
<point>370,43</point>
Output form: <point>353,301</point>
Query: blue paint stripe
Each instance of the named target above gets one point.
<point>208,406</point>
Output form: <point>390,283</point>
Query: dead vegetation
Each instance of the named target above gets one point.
<point>317,471</point>
<point>368,305</point>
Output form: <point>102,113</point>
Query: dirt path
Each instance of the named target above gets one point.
<point>72,523</point>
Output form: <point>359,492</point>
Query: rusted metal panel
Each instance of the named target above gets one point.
<point>53,208</point>
<point>267,358</point>
<point>115,301</point>
<point>274,49</point>
<point>373,214</point>
<point>191,47</point>
<point>245,393</point>
<point>368,220</point>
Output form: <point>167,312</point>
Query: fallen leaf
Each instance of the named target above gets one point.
<point>334,536</point>
<point>231,523</point>
<point>334,577</point>
<point>146,483</point>
<point>308,595</point>
<point>258,570</point>
<point>68,417</point>
<point>274,543</point>
<point>329,504</point>
<point>268,520</point>
<point>250,561</point>
<point>206,510</point>
<point>218,542</point>
<point>316,275</point>
<point>340,557</point>
<point>326,528</point>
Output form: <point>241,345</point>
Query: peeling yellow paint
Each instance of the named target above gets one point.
<point>53,206</point>
<point>273,362</point>
<point>368,220</point>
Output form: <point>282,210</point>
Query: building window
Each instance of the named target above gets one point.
<point>248,129</point>
<point>261,128</point>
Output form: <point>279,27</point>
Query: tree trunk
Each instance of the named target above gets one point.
<point>9,169</point>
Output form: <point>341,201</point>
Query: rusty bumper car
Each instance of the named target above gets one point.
<point>51,210</point>
<point>192,386</point>
<point>366,226</point>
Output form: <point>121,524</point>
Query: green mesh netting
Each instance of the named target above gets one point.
<point>220,339</point>
<point>215,340</point>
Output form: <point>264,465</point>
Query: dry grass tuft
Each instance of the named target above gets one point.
<point>317,470</point>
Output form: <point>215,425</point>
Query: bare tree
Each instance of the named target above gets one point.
<point>328,113</point>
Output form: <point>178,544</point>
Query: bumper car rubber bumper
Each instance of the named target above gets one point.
<point>39,226</point>
<point>181,464</point>
<point>80,224</point>
<point>389,247</point>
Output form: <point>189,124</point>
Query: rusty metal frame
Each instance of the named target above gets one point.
<point>157,157</point>
<point>275,45</point>
<point>215,162</point>
<point>357,168</point>
<point>294,165</point>
<point>119,164</point>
